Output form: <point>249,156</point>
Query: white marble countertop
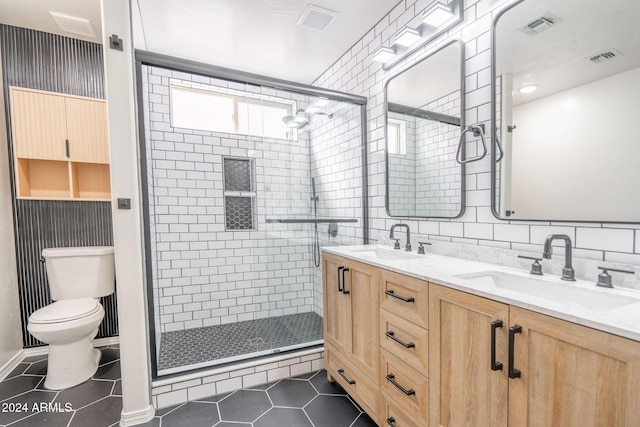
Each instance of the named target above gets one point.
<point>444,270</point>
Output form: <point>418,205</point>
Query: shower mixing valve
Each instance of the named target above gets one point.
<point>333,230</point>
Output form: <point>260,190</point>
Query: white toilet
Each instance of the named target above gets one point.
<point>77,278</point>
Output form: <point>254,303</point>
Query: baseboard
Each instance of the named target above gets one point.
<point>42,350</point>
<point>6,369</point>
<point>137,417</point>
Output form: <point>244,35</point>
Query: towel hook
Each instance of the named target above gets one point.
<point>478,130</point>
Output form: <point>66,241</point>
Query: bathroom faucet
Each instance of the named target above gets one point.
<point>408,245</point>
<point>568,273</point>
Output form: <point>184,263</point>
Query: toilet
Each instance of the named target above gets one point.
<point>77,278</point>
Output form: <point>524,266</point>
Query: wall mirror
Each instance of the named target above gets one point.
<point>567,102</point>
<point>423,106</point>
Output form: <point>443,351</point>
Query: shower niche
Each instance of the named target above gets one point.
<point>244,182</point>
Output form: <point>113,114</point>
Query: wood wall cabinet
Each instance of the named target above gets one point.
<point>60,145</point>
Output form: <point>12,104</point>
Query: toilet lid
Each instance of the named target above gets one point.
<point>70,309</point>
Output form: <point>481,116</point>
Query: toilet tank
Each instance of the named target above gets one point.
<point>82,272</point>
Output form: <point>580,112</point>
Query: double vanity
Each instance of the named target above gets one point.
<point>429,340</point>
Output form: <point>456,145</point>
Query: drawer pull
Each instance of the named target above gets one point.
<point>391,379</point>
<point>516,329</point>
<point>401,298</point>
<point>495,366</point>
<point>391,334</point>
<point>340,271</point>
<point>341,372</point>
<point>391,421</point>
<point>344,287</point>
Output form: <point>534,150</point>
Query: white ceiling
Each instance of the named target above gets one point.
<point>257,36</point>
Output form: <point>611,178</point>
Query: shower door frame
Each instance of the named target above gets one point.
<point>228,74</point>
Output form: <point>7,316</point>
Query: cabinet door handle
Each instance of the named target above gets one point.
<point>344,287</point>
<point>391,379</point>
<point>516,329</point>
<point>401,298</point>
<point>495,366</point>
<point>67,149</point>
<point>341,372</point>
<point>391,421</point>
<point>339,271</point>
<point>391,334</point>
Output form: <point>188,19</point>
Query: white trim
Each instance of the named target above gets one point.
<point>235,367</point>
<point>137,417</point>
<point>42,350</point>
<point>11,364</point>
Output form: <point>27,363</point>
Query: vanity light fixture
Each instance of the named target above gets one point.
<point>407,36</point>
<point>321,102</point>
<point>384,54</point>
<point>528,89</point>
<point>312,109</point>
<point>437,14</point>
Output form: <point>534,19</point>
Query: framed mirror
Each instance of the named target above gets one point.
<point>423,118</point>
<point>566,79</point>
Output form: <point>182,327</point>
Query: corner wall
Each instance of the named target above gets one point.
<point>355,72</point>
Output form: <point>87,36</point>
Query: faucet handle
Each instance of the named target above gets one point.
<point>421,248</point>
<point>396,245</point>
<point>604,278</point>
<point>536,267</point>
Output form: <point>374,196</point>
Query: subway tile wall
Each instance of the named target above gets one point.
<point>355,72</point>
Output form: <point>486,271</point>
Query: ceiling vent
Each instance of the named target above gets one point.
<point>73,24</point>
<point>605,56</point>
<point>540,24</point>
<point>316,18</point>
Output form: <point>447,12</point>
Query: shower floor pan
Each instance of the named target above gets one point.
<point>213,345</point>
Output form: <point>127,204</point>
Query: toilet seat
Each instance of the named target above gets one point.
<point>65,310</point>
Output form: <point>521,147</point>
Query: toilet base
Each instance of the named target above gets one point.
<point>71,364</point>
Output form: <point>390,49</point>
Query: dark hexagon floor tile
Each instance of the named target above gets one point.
<point>244,405</point>
<point>24,405</point>
<point>322,384</point>
<point>17,385</point>
<point>262,386</point>
<point>49,419</point>
<point>165,411</point>
<point>32,359</point>
<point>278,417</point>
<point>85,393</point>
<point>214,399</point>
<point>110,371</point>
<point>109,355</point>
<point>364,421</point>
<point>331,411</point>
<point>154,422</point>
<point>18,370</point>
<point>226,424</point>
<point>292,393</point>
<point>102,413</point>
<point>37,368</point>
<point>193,414</point>
<point>117,388</point>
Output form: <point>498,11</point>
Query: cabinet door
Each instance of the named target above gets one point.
<point>571,375</point>
<point>335,308</point>
<point>38,125</point>
<point>361,290</point>
<point>464,390</point>
<point>87,130</point>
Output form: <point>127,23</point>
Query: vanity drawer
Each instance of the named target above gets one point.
<point>404,386</point>
<point>405,340</point>
<point>405,296</point>
<point>392,415</point>
<point>362,388</point>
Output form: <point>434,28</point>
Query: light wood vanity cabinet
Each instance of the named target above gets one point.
<point>444,357</point>
<point>60,145</point>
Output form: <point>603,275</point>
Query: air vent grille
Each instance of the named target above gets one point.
<point>540,24</point>
<point>605,56</point>
<point>316,18</point>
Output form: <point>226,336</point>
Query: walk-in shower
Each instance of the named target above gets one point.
<point>238,204</point>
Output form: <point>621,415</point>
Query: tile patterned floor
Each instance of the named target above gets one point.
<point>24,402</point>
<point>305,401</point>
<point>234,339</point>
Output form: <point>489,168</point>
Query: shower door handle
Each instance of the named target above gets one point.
<point>340,288</point>
<point>344,290</point>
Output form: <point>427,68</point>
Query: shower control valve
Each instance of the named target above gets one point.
<point>421,248</point>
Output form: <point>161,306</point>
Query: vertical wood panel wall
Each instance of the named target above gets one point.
<point>38,60</point>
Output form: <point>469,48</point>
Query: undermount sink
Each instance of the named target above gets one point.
<point>386,254</point>
<point>594,300</point>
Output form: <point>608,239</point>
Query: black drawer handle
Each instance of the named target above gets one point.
<point>495,366</point>
<point>344,287</point>
<point>391,421</point>
<point>401,298</point>
<point>390,378</point>
<point>67,150</point>
<point>516,329</point>
<point>339,271</point>
<point>341,372</point>
<point>391,334</point>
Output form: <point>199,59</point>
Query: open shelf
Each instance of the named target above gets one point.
<point>43,179</point>
<point>90,180</point>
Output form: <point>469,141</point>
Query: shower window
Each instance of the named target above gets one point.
<point>239,194</point>
<point>397,136</point>
<point>232,111</point>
